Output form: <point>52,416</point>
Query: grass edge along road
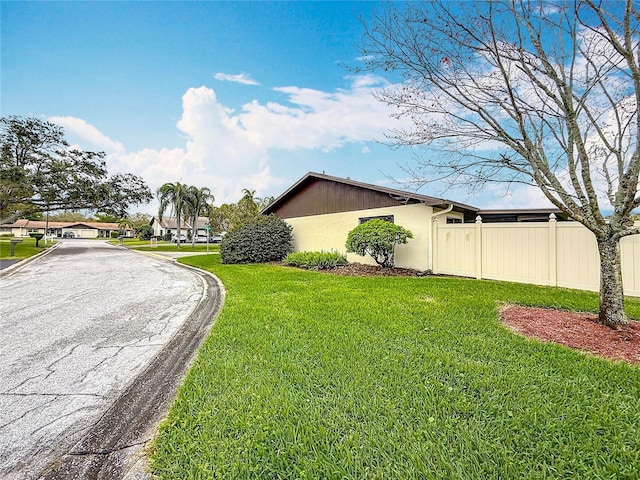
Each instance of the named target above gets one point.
<point>25,249</point>
<point>312,375</point>
<point>163,246</point>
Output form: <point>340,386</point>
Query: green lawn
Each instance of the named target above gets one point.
<point>22,250</point>
<point>145,245</point>
<point>314,376</point>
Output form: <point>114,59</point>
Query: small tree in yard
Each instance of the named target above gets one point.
<point>378,239</point>
<point>263,239</point>
<point>145,232</point>
<point>542,93</point>
<point>175,196</point>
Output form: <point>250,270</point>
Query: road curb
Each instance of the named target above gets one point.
<point>11,269</point>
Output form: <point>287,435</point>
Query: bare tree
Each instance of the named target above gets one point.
<point>538,92</point>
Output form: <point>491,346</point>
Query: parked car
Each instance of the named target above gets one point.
<point>201,239</point>
<point>68,235</point>
<point>183,238</point>
<point>216,239</point>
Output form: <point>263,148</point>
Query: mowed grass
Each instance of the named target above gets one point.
<point>145,245</point>
<point>25,249</point>
<point>314,376</point>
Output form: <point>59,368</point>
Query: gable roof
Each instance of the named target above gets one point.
<point>168,222</point>
<point>317,194</point>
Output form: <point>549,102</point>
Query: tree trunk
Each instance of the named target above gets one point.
<point>193,231</point>
<point>611,294</point>
<point>178,224</point>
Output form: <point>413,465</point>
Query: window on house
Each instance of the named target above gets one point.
<point>454,220</point>
<point>386,218</point>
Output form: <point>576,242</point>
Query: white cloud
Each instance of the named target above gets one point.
<point>317,119</point>
<point>89,133</point>
<point>518,196</point>
<point>228,150</point>
<point>242,78</point>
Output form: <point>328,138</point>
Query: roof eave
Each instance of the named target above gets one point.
<point>427,200</point>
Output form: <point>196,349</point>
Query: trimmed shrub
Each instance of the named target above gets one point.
<point>263,239</point>
<point>316,260</point>
<point>145,232</point>
<point>378,239</point>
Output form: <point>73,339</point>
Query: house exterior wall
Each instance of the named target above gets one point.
<point>329,232</point>
<point>561,254</point>
<point>81,232</point>
<point>158,231</point>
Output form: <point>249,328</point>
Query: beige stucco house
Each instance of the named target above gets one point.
<point>323,209</point>
<point>538,246</point>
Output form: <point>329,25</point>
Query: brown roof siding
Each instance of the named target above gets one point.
<point>318,194</point>
<point>319,197</point>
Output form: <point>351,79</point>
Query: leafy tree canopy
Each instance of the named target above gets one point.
<point>40,173</point>
<point>69,217</point>
<point>107,218</point>
<point>229,216</point>
<point>139,220</point>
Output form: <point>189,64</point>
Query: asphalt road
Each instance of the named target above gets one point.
<point>85,331</point>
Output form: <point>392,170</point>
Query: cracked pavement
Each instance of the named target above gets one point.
<point>79,325</point>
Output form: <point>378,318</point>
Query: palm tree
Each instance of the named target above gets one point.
<point>198,203</point>
<point>247,208</point>
<point>174,195</point>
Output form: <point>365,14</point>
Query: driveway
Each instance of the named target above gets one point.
<point>95,339</point>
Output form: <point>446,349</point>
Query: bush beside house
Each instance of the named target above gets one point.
<point>316,260</point>
<point>264,239</point>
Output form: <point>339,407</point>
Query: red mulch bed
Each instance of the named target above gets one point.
<point>576,330</point>
<point>361,270</point>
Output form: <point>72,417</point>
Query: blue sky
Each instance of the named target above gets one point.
<point>228,95</point>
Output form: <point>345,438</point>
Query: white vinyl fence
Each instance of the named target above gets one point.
<point>554,253</point>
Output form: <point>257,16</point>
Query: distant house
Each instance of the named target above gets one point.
<point>23,227</point>
<point>169,225</point>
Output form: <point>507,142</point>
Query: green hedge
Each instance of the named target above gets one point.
<point>264,239</point>
<point>316,260</point>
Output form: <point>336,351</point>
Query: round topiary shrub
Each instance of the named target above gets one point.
<point>378,239</point>
<point>264,239</point>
